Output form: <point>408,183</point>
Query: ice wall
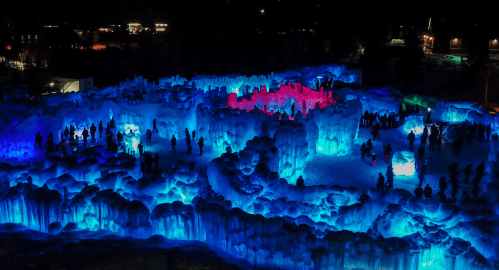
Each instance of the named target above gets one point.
<point>381,101</point>
<point>303,97</point>
<point>226,128</point>
<point>237,84</point>
<point>426,231</point>
<point>493,162</point>
<point>291,140</point>
<point>337,127</point>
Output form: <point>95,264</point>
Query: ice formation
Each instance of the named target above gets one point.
<point>404,163</point>
<point>242,196</point>
<point>414,123</point>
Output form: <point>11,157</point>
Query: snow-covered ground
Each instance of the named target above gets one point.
<point>327,170</point>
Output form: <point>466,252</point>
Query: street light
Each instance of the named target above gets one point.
<point>262,11</point>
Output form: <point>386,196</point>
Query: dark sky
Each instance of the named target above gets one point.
<point>363,13</point>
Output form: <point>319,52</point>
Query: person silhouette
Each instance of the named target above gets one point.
<point>174,143</point>
<point>201,144</point>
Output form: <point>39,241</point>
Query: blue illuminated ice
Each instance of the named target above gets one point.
<point>245,203</point>
<point>414,123</point>
<point>403,163</point>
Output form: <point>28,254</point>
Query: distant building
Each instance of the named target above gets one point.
<point>447,36</point>
<point>160,27</point>
<point>134,28</point>
<point>396,42</point>
<point>494,45</point>
<point>60,83</point>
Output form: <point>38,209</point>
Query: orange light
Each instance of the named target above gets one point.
<point>99,47</point>
<point>8,47</point>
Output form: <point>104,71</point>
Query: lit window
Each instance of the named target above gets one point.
<point>22,37</point>
<point>36,36</point>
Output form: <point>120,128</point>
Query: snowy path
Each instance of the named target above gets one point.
<point>346,170</point>
<point>349,170</point>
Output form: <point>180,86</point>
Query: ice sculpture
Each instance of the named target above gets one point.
<point>413,123</point>
<point>404,163</point>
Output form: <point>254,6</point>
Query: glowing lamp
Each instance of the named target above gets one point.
<point>262,11</point>
<point>404,163</point>
<point>52,84</point>
<point>455,39</point>
<point>429,109</point>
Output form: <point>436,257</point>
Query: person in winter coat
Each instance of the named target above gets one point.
<point>93,129</point>
<point>386,151</point>
<point>381,183</point>
<point>300,182</point>
<point>62,145</point>
<point>85,135</point>
<point>148,137</point>
<point>154,129</point>
<point>38,140</point>
<point>427,191</point>
<point>418,192</point>
<point>411,138</point>
<point>374,158</point>
<point>201,144</point>
<point>424,137</point>
<point>50,146</point>
<point>189,146</point>
<point>363,151</point>
<point>101,128</point>
<point>369,145</point>
<point>66,134</point>
<point>72,131</point>
<point>141,148</point>
<point>174,143</point>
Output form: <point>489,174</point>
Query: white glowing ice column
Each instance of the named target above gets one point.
<point>403,163</point>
